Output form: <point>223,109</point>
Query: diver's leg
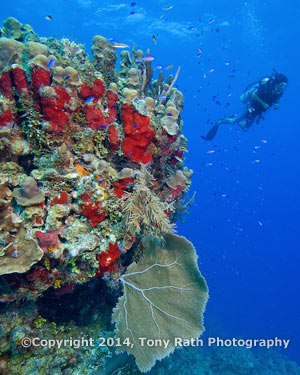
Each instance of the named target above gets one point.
<point>213,131</point>
<point>227,120</point>
<point>245,119</point>
<point>242,119</point>
<point>243,125</point>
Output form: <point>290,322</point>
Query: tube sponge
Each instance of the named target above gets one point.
<point>164,297</point>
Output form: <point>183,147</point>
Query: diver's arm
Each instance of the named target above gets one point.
<point>247,96</point>
<point>257,98</point>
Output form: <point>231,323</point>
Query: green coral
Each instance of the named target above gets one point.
<point>39,321</point>
<point>12,28</point>
<point>32,126</point>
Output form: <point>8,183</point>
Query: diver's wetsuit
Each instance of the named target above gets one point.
<point>266,92</point>
<point>258,98</point>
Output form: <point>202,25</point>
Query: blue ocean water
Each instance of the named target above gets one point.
<point>245,220</point>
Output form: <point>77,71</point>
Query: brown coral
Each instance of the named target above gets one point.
<point>144,209</point>
<point>9,48</point>
<point>20,255</point>
<point>28,193</point>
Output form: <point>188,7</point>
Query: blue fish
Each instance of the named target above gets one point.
<point>90,99</point>
<point>131,13</point>
<point>51,63</point>
<point>133,4</point>
<point>66,77</point>
<point>103,126</point>
<point>135,126</point>
<point>169,114</point>
<point>114,106</point>
<point>113,41</point>
<point>130,154</point>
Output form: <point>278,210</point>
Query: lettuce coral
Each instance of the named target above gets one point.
<point>21,255</point>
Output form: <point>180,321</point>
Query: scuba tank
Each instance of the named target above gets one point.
<point>262,86</point>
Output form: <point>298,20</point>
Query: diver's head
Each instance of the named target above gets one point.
<point>281,81</point>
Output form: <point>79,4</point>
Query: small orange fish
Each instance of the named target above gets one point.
<point>70,361</point>
<point>154,39</point>
<point>81,171</point>
<point>52,248</point>
<point>169,67</point>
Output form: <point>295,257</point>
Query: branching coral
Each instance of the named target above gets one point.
<point>144,210</point>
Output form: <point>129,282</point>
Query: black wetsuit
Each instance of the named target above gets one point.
<point>267,93</point>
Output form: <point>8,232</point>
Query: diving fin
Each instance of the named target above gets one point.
<point>212,133</point>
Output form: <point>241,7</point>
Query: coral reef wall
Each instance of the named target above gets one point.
<point>91,157</point>
<point>92,180</point>
<point>91,161</point>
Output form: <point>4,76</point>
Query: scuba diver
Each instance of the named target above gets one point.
<point>258,97</point>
